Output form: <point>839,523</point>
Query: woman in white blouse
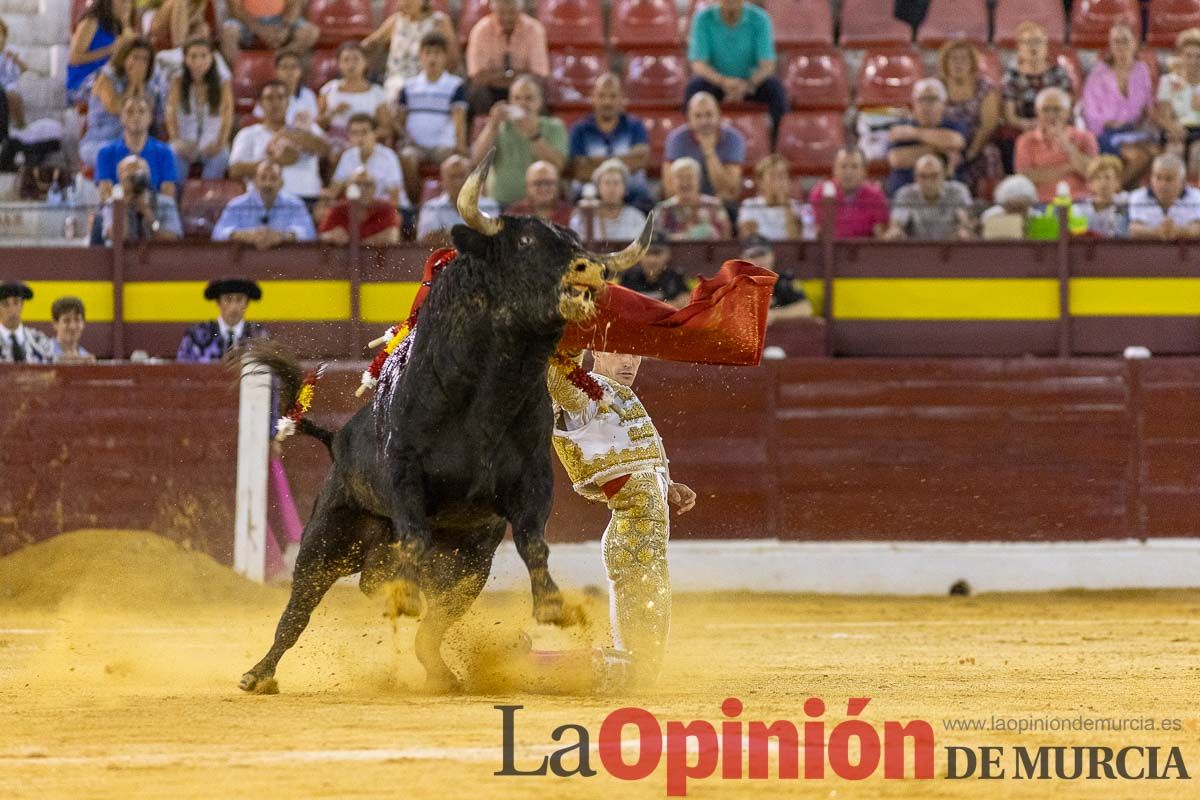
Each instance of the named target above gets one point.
<point>610,219</point>
<point>771,213</point>
<point>403,32</point>
<point>352,94</point>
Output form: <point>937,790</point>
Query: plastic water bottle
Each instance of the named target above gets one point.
<point>808,223</point>
<point>54,195</point>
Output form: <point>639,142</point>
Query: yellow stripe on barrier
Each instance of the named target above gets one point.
<point>283,301</point>
<point>945,299</point>
<point>97,297</point>
<point>388,302</point>
<point>1135,297</point>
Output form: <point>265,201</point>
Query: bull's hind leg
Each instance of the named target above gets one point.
<point>329,549</point>
<point>452,576</point>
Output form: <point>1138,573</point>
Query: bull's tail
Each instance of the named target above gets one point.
<point>295,388</point>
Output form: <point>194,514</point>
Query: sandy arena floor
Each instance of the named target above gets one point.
<point>120,656</point>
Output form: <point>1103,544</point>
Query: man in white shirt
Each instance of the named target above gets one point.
<point>440,214</point>
<point>1169,209</point>
<point>19,344</point>
<point>297,149</point>
<point>379,160</point>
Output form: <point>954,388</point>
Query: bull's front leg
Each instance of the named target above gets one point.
<point>410,536</point>
<point>529,534</point>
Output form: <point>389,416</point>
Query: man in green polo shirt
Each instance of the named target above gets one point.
<point>521,135</point>
<point>732,52</point>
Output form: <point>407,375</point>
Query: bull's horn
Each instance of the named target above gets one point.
<point>631,255</point>
<point>468,199</point>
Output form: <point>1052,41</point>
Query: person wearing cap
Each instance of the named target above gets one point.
<point>379,222</point>
<point>210,341</point>
<point>265,216</point>
<point>788,301</point>
<point>655,277</point>
<point>19,344</point>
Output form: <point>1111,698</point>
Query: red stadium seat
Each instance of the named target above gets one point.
<point>252,69</point>
<point>392,6</point>
<point>1091,19</point>
<point>322,68</point>
<point>755,126</point>
<point>801,22</point>
<point>809,141</point>
<point>644,25</point>
<point>572,75</point>
<point>869,23</point>
<point>470,12</point>
<point>658,125</point>
<point>1011,13</point>
<point>1148,55</point>
<point>201,202</point>
<point>572,23</point>
<point>815,78</point>
<point>655,80</point>
<point>1169,17</point>
<point>887,76</point>
<point>340,20</point>
<point>954,19</point>
<point>1069,60</point>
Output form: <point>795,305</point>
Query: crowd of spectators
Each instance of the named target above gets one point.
<point>407,114</point>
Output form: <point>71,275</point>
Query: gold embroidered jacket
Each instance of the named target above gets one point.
<point>600,441</point>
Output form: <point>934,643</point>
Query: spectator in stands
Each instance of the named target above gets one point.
<point>788,300</point>
<point>266,215</point>
<point>608,132</point>
<point>1032,73</point>
<point>1169,208</point>
<point>654,277</point>
<point>606,217</point>
<point>302,101</point>
<point>69,319</point>
<point>973,105</point>
<point>402,33</point>
<point>379,160</point>
<point>543,197</point>
<point>127,75</point>
<point>502,46</point>
<point>929,131</point>
<point>1178,107</point>
<point>731,48</point>
<point>432,113</point>
<point>719,149</point>
<point>861,208</point>
<point>1105,216</point>
<point>931,208</point>
<point>135,139</point>
<point>690,214</point>
<point>168,64</point>
<point>771,213</point>
<point>106,26</point>
<point>269,24</point>
<point>175,20</point>
<point>150,216</point>
<point>378,224</point>
<point>19,344</point>
<point>440,214</point>
<point>297,148</point>
<point>351,94</point>
<point>521,136</point>
<point>206,342</point>
<point>1055,150</point>
<point>1015,196</point>
<point>11,67</point>
<point>1118,103</point>
<point>200,113</point>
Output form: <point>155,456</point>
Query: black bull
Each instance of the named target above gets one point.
<point>466,450</point>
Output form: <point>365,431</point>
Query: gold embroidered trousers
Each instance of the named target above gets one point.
<point>635,558</point>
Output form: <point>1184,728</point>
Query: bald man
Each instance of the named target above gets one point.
<point>720,149</point>
<point>543,197</point>
<point>379,223</point>
<point>440,214</point>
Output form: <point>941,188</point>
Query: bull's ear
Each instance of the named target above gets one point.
<point>468,240</point>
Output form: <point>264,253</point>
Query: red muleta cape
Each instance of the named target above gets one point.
<point>724,323</point>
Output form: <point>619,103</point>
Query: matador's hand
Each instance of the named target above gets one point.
<point>681,497</point>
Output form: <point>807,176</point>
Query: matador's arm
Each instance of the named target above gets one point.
<point>566,395</point>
